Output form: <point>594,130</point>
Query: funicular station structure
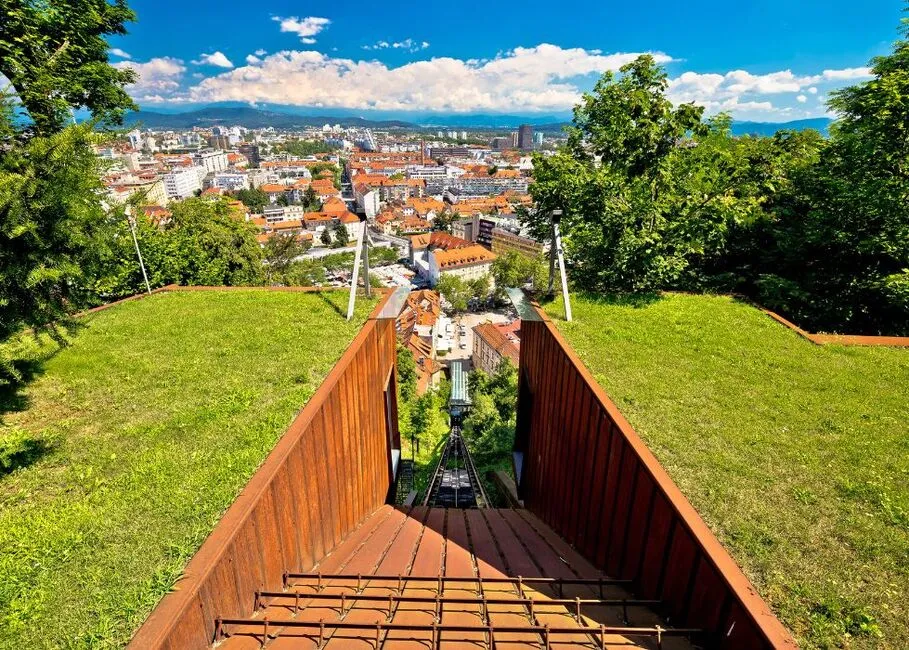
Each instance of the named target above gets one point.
<point>605,553</point>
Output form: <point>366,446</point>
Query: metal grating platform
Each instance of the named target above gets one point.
<point>449,578</point>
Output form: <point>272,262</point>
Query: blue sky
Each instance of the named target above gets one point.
<point>768,60</point>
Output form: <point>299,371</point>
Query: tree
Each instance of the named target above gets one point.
<point>407,375</point>
<point>307,147</point>
<point>480,287</point>
<point>254,199</point>
<point>647,190</point>
<point>325,238</point>
<point>342,237</point>
<point>202,244</point>
<point>278,254</point>
<point>511,269</point>
<point>311,202</point>
<point>842,247</point>
<point>55,57</point>
<point>49,215</point>
<point>455,291</point>
<point>490,426</point>
<point>443,220</point>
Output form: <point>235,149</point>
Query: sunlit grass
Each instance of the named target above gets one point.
<point>796,455</point>
<point>155,417</point>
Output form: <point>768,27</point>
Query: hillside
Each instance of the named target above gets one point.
<point>150,421</point>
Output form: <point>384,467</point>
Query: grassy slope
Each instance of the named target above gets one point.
<point>796,455</point>
<point>160,411</point>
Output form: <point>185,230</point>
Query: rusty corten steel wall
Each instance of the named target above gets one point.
<point>326,474</point>
<point>589,476</point>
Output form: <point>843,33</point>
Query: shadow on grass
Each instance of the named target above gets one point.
<point>20,448</point>
<point>20,365</point>
<point>324,298</point>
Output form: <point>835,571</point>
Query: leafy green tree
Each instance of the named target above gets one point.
<point>279,253</point>
<point>311,202</point>
<point>841,257</point>
<point>455,291</point>
<point>201,244</point>
<point>407,375</point>
<point>490,426</point>
<point>55,56</point>
<point>305,148</point>
<point>480,287</point>
<point>254,199</point>
<point>341,237</point>
<point>49,216</point>
<point>512,269</point>
<point>443,220</point>
<point>648,191</point>
<point>325,237</point>
<point>212,247</point>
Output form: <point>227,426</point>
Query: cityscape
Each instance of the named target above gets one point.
<point>535,327</point>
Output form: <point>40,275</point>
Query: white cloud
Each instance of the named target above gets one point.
<point>116,51</point>
<point>260,52</point>
<point>743,93</point>
<point>846,74</point>
<point>407,44</point>
<point>216,59</point>
<point>251,59</point>
<point>305,28</point>
<point>540,78</point>
<point>158,78</point>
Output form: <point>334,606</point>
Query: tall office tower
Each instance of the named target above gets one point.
<point>525,137</point>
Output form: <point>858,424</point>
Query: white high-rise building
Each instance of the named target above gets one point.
<point>182,183</point>
<point>463,135</point>
<point>135,139</point>
<point>231,182</point>
<point>212,161</point>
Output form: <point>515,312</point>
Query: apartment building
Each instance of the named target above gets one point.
<point>212,161</point>
<point>504,240</point>
<point>230,182</point>
<point>182,183</point>
<point>468,263</point>
<point>494,342</point>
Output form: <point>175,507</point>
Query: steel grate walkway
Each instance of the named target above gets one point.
<point>450,578</point>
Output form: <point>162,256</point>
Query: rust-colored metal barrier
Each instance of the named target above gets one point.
<point>329,471</point>
<point>586,473</point>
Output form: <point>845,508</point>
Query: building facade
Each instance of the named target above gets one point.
<point>525,137</point>
<point>182,183</point>
<point>504,240</point>
<point>492,343</point>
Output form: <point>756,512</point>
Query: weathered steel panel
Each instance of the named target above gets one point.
<point>587,474</point>
<point>326,475</point>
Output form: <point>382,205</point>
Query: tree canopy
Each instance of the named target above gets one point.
<point>656,197</point>
<point>55,57</point>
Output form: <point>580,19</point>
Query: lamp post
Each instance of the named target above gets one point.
<point>361,242</point>
<point>132,229</point>
<point>557,254</point>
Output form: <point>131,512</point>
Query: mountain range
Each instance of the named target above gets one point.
<point>256,118</point>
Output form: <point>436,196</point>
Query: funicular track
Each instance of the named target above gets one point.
<point>455,483</point>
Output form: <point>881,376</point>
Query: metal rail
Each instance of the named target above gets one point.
<point>272,628</point>
<point>573,606</point>
<point>448,479</point>
<point>440,581</point>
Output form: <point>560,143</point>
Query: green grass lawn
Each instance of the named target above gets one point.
<point>796,455</point>
<point>156,416</point>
